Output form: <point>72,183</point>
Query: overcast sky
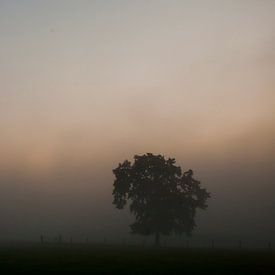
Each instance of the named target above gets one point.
<point>87,84</point>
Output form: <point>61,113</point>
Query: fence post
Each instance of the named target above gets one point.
<point>42,239</point>
<point>143,243</point>
<point>240,244</point>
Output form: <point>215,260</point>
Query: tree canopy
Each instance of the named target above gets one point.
<point>162,198</point>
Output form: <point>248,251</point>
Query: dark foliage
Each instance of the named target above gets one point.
<point>162,198</point>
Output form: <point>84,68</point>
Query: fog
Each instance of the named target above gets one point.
<point>85,85</point>
<point>75,198</point>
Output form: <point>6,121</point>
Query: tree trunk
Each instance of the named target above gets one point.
<point>157,237</point>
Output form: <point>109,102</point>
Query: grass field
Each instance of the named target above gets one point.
<point>96,259</point>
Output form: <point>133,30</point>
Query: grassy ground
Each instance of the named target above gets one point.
<point>93,259</point>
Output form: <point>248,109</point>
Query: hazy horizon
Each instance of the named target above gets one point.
<point>88,84</point>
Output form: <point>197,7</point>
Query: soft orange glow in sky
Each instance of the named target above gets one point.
<point>167,76</point>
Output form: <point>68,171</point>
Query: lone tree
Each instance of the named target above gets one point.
<point>162,198</point>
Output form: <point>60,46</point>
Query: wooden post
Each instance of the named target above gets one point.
<point>143,243</point>
<point>42,239</point>
<point>240,244</point>
<point>157,239</point>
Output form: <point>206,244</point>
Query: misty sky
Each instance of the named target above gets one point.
<point>87,84</point>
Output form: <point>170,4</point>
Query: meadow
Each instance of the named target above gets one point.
<point>115,259</point>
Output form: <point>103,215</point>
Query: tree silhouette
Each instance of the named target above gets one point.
<point>162,198</point>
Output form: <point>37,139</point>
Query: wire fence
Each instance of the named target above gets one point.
<point>187,243</point>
